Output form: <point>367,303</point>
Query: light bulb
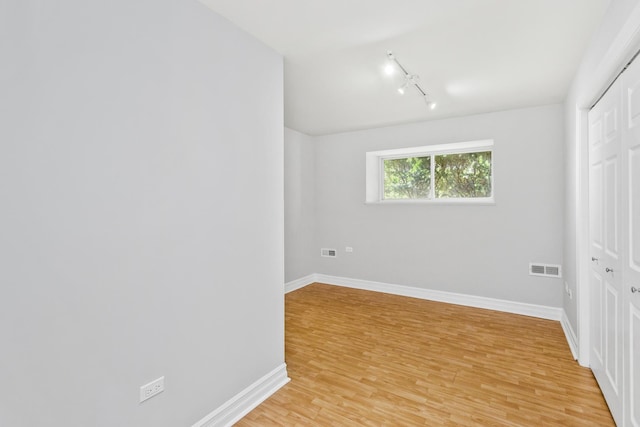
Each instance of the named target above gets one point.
<point>389,70</point>
<point>401,90</point>
<point>432,105</point>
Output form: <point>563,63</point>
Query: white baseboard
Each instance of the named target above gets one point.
<point>540,311</point>
<point>300,283</point>
<point>242,403</point>
<point>570,335</point>
<point>533,310</point>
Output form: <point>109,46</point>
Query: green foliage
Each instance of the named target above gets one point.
<point>408,178</point>
<point>464,175</point>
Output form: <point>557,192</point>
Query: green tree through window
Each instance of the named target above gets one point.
<point>462,175</point>
<point>408,178</point>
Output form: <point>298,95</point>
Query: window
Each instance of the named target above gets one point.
<point>461,172</point>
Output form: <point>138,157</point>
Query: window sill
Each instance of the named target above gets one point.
<point>480,202</point>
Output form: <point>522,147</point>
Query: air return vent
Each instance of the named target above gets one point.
<point>330,253</point>
<point>546,270</point>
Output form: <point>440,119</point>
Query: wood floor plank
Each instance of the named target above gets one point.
<point>359,358</point>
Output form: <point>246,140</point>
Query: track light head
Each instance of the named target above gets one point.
<point>389,69</point>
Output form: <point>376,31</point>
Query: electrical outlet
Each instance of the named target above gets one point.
<point>348,249</point>
<point>567,290</point>
<point>147,391</point>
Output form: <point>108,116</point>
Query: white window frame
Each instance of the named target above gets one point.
<point>375,172</point>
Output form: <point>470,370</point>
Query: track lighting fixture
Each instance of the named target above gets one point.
<point>408,79</point>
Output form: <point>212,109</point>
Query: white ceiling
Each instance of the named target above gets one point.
<point>472,56</point>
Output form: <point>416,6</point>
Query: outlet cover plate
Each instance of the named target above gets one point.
<point>147,391</point>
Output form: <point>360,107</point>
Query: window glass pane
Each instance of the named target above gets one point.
<point>463,175</point>
<point>408,178</point>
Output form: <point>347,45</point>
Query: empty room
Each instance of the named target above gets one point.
<point>336,213</point>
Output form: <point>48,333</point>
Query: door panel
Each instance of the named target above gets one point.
<point>634,208</point>
<point>597,340</point>
<point>595,131</point>
<point>630,245</point>
<point>614,241</point>
<point>633,100</point>
<point>605,224</point>
<point>634,366</point>
<point>611,206</point>
<point>597,179</point>
<point>613,359</point>
<point>611,125</point>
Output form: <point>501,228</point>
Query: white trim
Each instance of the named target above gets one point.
<point>583,291</point>
<point>620,52</point>
<point>486,201</point>
<point>540,311</point>
<point>453,148</point>
<point>572,340</point>
<point>294,285</point>
<point>242,403</point>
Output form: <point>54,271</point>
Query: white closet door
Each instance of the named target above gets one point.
<point>605,139</point>
<point>631,242</point>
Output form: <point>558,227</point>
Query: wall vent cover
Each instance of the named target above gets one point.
<point>546,270</point>
<point>330,253</point>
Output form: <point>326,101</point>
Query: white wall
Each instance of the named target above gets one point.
<point>469,249</point>
<point>596,70</point>
<point>141,217</point>
<point>299,213</point>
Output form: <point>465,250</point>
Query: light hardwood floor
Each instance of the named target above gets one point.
<point>365,358</point>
